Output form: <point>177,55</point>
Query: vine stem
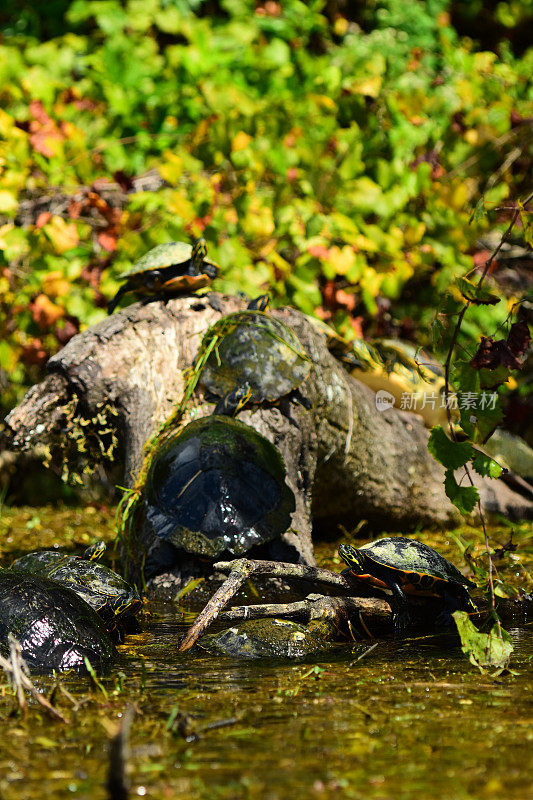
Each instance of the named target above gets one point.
<point>447,365</point>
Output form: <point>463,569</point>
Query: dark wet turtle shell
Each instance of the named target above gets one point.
<point>218,485</point>
<point>255,349</point>
<point>107,592</point>
<point>170,268</point>
<point>56,629</point>
<point>419,569</point>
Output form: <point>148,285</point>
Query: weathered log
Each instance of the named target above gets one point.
<point>350,611</point>
<point>111,387</point>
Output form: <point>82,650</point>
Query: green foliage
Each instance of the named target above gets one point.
<point>491,649</point>
<point>450,454</point>
<point>335,168</point>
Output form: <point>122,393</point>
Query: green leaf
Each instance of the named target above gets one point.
<point>479,211</point>
<point>463,497</point>
<point>485,465</point>
<point>450,454</point>
<point>476,294</point>
<point>491,649</point>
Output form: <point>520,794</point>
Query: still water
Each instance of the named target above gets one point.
<point>411,719</point>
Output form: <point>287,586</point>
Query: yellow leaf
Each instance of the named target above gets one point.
<point>6,123</point>
<point>368,86</point>
<point>55,285</point>
<point>258,221</point>
<point>340,26</point>
<point>171,169</point>
<point>341,260</point>
<point>181,206</point>
<point>44,741</point>
<point>63,235</point>
<point>240,141</point>
<point>413,233</point>
<point>8,202</point>
<point>324,101</point>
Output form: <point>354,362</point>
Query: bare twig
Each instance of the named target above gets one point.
<point>16,669</point>
<point>240,572</point>
<point>277,569</point>
<point>313,607</point>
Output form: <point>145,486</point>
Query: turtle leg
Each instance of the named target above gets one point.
<point>116,299</point>
<point>400,608</point>
<point>461,601</point>
<point>297,397</point>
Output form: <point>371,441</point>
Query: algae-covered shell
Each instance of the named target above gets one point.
<point>255,349</point>
<point>55,628</point>
<point>407,556</point>
<point>218,485</point>
<point>265,638</point>
<point>104,590</point>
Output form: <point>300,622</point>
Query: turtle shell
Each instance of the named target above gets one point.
<point>163,256</point>
<point>218,485</point>
<point>409,557</point>
<point>167,269</point>
<point>266,638</point>
<point>56,629</point>
<point>259,350</point>
<point>103,589</point>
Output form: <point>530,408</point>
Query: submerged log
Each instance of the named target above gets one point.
<point>111,387</point>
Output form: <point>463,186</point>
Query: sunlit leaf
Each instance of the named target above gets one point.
<point>493,649</point>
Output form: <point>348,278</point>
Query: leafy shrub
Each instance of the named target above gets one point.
<point>335,167</point>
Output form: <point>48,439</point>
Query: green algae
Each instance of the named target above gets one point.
<point>411,719</point>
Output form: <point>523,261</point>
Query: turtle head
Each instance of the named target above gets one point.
<point>199,252</point>
<point>94,552</point>
<point>261,303</point>
<point>354,558</point>
<point>232,403</point>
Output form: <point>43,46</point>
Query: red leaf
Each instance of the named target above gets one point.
<point>318,250</point>
<point>42,219</point>
<point>519,338</point>
<point>491,355</point>
<point>107,240</point>
<point>70,329</point>
<point>74,209</point>
<point>34,353</point>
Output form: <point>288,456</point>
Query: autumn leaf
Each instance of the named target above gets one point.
<point>240,142</point>
<point>54,284</point>
<point>63,235</point>
<point>44,312</point>
<point>107,241</point>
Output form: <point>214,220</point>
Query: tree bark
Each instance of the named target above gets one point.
<point>112,386</point>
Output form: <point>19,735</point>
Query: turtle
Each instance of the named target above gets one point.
<point>168,269</point>
<point>394,366</point>
<point>104,590</point>
<point>403,566</point>
<point>270,638</point>
<point>56,629</point>
<point>217,485</point>
<point>258,351</point>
